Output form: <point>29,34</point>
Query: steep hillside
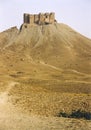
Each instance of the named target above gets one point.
<point>53,44</point>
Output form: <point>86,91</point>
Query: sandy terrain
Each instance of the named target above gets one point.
<point>12,119</point>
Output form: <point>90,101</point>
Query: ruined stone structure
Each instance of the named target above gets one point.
<point>46,18</point>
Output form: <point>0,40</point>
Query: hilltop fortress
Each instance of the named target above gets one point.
<point>41,18</point>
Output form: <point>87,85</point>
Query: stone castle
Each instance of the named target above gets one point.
<point>41,18</point>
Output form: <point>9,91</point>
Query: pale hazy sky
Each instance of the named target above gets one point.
<point>75,13</point>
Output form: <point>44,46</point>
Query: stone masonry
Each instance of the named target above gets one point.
<point>41,18</point>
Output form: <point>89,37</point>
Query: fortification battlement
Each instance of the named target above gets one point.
<point>41,18</point>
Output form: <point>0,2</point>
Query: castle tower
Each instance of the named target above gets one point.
<point>26,18</point>
<point>41,18</point>
<point>36,18</point>
<point>47,18</point>
<point>52,17</point>
<point>31,19</point>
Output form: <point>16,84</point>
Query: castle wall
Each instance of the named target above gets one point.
<point>47,18</point>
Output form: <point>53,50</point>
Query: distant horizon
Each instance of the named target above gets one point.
<point>75,14</point>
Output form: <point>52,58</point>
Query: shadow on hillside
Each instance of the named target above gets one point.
<point>76,114</point>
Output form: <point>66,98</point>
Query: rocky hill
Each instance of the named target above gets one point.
<point>46,70</point>
<point>53,44</point>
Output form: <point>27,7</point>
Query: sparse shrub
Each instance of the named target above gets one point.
<point>76,114</point>
<point>81,114</point>
<point>62,114</point>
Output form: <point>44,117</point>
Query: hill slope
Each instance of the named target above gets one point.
<point>45,70</point>
<point>54,44</point>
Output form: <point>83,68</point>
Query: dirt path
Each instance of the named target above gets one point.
<point>51,66</point>
<point>12,119</point>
